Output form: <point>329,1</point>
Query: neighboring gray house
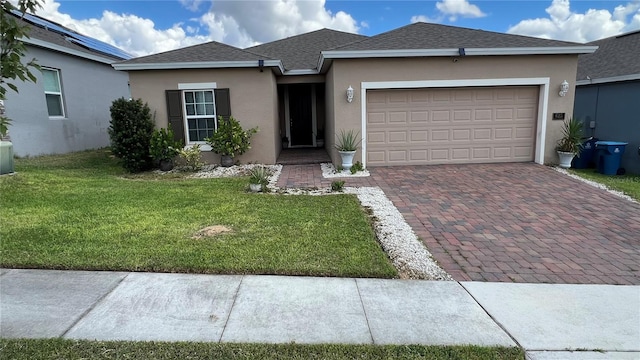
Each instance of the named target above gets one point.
<point>608,94</point>
<point>67,109</point>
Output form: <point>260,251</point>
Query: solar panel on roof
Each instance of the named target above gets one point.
<point>76,38</point>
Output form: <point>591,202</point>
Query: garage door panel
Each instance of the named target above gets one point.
<point>418,155</point>
<point>462,115</point>
<point>398,156</point>
<point>481,134</point>
<point>483,115</point>
<point>374,138</point>
<point>440,116</point>
<point>440,126</point>
<point>502,152</point>
<point>440,135</point>
<point>461,154</point>
<point>376,117</point>
<point>461,135</point>
<point>504,114</point>
<point>419,136</point>
<point>396,117</point>
<point>397,137</point>
<point>419,116</point>
<point>524,132</point>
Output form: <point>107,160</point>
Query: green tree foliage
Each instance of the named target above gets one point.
<point>12,50</point>
<point>130,132</point>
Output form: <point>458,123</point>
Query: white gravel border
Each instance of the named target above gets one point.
<point>596,184</point>
<point>329,171</point>
<point>407,253</point>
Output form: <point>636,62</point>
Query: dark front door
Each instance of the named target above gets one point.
<point>300,119</point>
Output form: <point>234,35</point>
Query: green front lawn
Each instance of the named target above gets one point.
<point>81,211</point>
<point>628,184</point>
<point>70,349</point>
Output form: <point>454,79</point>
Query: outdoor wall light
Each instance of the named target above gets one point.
<point>349,94</point>
<point>564,88</point>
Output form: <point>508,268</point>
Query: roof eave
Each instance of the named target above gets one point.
<point>198,65</point>
<point>611,79</point>
<point>361,54</point>
<point>68,51</point>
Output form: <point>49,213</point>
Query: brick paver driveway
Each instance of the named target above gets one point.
<point>509,222</point>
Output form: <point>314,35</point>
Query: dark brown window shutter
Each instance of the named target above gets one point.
<point>174,111</point>
<point>223,103</point>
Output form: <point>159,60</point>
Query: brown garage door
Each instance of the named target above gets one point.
<point>451,125</point>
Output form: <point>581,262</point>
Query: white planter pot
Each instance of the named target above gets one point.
<point>347,159</point>
<point>565,159</point>
<point>255,187</point>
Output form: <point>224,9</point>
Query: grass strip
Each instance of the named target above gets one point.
<point>81,349</point>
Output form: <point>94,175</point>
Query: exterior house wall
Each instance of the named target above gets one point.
<point>253,97</point>
<point>330,120</point>
<point>614,107</point>
<point>352,72</point>
<point>88,89</point>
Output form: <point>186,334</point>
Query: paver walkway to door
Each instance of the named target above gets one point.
<point>519,222</point>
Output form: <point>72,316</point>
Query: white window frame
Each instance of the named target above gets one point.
<point>189,117</point>
<point>62,104</point>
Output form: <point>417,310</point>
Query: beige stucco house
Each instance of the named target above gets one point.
<point>422,94</point>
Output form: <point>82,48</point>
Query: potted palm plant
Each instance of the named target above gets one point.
<point>570,144</point>
<point>230,140</point>
<point>347,144</point>
<point>163,148</point>
<point>258,178</point>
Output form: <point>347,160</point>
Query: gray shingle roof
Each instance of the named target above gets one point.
<point>303,51</point>
<point>616,56</point>
<point>435,36</point>
<point>206,52</point>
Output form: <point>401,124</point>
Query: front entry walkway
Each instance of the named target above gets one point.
<point>518,222</point>
<point>298,156</point>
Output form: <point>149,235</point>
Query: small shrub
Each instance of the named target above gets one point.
<point>337,185</point>
<point>339,168</point>
<point>130,132</point>
<point>356,167</point>
<point>230,139</point>
<point>163,146</point>
<point>192,158</point>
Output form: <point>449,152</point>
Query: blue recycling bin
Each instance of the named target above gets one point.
<point>609,154</point>
<point>586,158</point>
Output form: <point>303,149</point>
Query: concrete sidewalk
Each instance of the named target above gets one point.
<point>546,320</point>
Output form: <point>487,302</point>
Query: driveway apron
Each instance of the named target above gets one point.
<point>514,222</point>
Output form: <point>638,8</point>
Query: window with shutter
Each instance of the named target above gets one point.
<point>193,112</point>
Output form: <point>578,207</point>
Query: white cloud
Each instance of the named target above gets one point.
<point>594,24</point>
<point>237,23</point>
<point>455,8</point>
<point>264,21</point>
<point>193,5</point>
<point>451,9</point>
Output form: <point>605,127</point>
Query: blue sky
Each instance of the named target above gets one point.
<point>149,26</point>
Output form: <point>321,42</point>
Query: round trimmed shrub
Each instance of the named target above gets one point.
<point>130,132</point>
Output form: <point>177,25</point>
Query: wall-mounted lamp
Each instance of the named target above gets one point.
<point>564,88</point>
<point>349,94</point>
<point>260,64</point>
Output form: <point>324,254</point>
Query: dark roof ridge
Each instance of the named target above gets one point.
<point>300,35</point>
<point>205,44</point>
<point>444,36</point>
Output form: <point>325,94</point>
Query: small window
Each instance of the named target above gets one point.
<point>200,114</point>
<point>53,92</point>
